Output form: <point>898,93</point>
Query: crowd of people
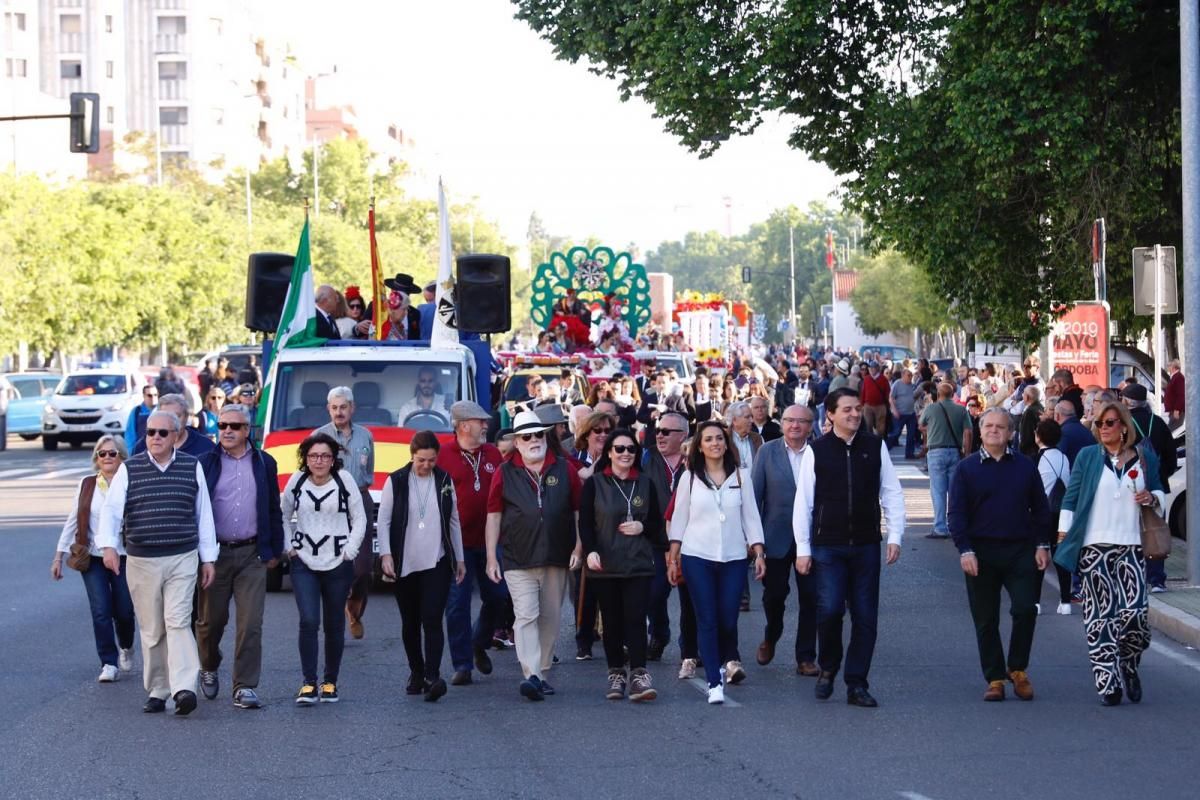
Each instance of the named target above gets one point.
<point>778,470</point>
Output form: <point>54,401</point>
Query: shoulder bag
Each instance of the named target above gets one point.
<point>950,426</point>
<point>1156,534</point>
<point>80,557</point>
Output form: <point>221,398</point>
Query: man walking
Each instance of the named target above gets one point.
<point>903,401</point>
<point>775,476</point>
<point>471,463</point>
<point>533,499</point>
<point>947,430</point>
<point>358,456</point>
<point>664,463</point>
<point>243,484</point>
<point>1173,395</point>
<point>875,393</point>
<point>158,502</point>
<point>186,440</point>
<point>764,426</point>
<point>842,492</point>
<point>1075,437</point>
<point>1000,521</point>
<point>135,426</point>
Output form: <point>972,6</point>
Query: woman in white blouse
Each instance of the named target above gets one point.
<point>715,520</point>
<point>1099,533</point>
<point>419,537</point>
<point>108,594</point>
<point>1055,472</point>
<point>322,542</point>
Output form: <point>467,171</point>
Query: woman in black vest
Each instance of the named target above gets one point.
<point>620,525</point>
<point>418,532</point>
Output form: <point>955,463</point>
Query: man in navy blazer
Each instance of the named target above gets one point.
<point>774,476</point>
<point>1075,437</point>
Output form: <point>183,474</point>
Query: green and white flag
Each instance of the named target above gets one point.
<point>298,323</point>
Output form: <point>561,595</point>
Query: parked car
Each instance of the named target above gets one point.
<point>1177,499</point>
<point>89,403</point>
<point>27,395</point>
<point>889,352</point>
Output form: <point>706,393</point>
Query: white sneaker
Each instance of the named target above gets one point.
<point>733,672</point>
<point>108,674</point>
<point>716,695</point>
<point>1038,607</point>
<point>1157,589</point>
<point>687,669</point>
<point>1064,609</point>
<point>125,659</point>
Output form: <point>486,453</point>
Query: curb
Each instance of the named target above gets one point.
<point>1175,623</point>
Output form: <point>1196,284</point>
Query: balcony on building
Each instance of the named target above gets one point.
<point>174,135</point>
<point>172,89</point>
<point>167,5</point>
<point>70,3</point>
<point>170,42</point>
<point>70,42</point>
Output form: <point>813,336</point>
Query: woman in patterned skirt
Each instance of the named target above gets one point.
<point>1099,533</point>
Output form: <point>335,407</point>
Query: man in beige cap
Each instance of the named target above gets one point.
<point>533,499</point>
<point>472,463</point>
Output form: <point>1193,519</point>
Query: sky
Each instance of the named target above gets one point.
<point>507,124</point>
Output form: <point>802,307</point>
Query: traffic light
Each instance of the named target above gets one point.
<point>745,274</point>
<point>85,122</point>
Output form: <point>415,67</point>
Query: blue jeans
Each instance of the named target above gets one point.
<point>321,597</point>
<point>907,423</point>
<point>108,596</point>
<point>716,589</point>
<point>942,462</point>
<point>660,618</point>
<point>1156,572</point>
<point>847,576</point>
<point>492,596</point>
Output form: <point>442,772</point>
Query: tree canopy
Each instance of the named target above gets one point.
<point>980,139</point>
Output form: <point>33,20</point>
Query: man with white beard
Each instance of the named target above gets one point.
<point>533,499</point>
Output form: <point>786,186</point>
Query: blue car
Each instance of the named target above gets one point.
<point>27,393</point>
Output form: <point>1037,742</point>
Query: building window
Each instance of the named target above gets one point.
<point>108,23</point>
<point>172,116</point>
<point>109,115</point>
<point>71,69</point>
<point>216,26</point>
<point>70,23</point>
<point>172,24</point>
<point>14,22</point>
<point>15,68</point>
<point>172,70</point>
<point>108,69</point>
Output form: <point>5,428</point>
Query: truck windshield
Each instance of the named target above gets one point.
<point>415,395</point>
<point>93,384</point>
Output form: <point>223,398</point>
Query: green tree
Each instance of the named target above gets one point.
<point>893,296</point>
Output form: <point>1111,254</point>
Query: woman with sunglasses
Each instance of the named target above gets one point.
<point>322,542</point>
<point>108,594</point>
<point>620,525</point>
<point>589,440</point>
<point>1099,534</point>
<point>212,409</point>
<point>715,519</point>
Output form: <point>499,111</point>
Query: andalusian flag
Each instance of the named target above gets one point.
<point>379,304</point>
<point>298,323</point>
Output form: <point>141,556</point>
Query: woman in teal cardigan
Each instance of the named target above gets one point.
<point>1099,533</point>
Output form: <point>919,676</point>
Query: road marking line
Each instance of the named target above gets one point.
<point>58,473</point>
<point>12,473</point>
<point>914,796</point>
<point>702,687</point>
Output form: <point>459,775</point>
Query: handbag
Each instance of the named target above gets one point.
<point>1156,534</point>
<point>80,557</point>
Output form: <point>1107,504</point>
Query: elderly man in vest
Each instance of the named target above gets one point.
<point>158,501</point>
<point>533,499</point>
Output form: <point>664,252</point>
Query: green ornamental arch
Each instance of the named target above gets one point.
<point>594,275</point>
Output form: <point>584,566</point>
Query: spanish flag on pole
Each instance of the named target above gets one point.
<point>379,304</point>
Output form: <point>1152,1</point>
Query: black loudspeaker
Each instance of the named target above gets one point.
<point>482,291</point>
<point>267,279</point>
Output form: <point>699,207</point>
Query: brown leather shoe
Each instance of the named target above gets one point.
<point>1022,688</point>
<point>995,692</point>
<point>356,626</point>
<point>766,652</point>
<point>808,669</point>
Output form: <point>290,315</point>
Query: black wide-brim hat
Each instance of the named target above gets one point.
<point>402,283</point>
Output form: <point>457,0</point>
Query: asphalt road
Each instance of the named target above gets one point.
<point>64,735</point>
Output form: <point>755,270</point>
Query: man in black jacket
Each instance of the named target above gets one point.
<point>836,518</point>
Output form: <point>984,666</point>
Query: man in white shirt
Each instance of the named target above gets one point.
<point>836,518</point>
<point>425,398</point>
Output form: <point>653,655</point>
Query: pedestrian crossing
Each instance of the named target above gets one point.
<point>40,474</point>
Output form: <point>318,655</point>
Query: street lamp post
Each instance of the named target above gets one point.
<point>1189,63</point>
<point>792,271</point>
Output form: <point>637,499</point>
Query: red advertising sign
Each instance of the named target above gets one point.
<point>1079,343</point>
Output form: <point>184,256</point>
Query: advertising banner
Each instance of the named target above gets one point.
<point>1079,343</point>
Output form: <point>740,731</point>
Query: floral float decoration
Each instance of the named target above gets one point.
<point>599,276</point>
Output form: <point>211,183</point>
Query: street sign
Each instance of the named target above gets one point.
<point>85,122</point>
<point>1143,281</point>
<point>745,274</point>
<point>1079,343</point>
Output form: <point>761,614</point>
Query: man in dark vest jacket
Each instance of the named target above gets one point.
<point>837,524</point>
<point>663,464</point>
<point>533,499</point>
<point>158,501</point>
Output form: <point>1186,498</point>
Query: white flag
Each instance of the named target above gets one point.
<point>445,323</point>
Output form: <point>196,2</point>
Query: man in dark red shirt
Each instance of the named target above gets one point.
<point>875,393</point>
<point>472,463</point>
<point>1173,394</point>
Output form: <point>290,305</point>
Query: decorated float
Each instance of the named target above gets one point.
<point>713,326</point>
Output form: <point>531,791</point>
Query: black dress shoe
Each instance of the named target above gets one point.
<point>483,662</point>
<point>858,696</point>
<point>824,688</point>
<point>154,705</point>
<point>1113,698</point>
<point>1133,687</point>
<point>654,649</point>
<point>435,691</point>
<point>530,689</point>
<point>546,688</point>
<point>185,702</point>
<point>415,685</point>
<point>461,678</point>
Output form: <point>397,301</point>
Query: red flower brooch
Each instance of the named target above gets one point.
<point>1133,473</point>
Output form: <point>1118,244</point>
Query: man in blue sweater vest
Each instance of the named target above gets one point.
<point>1000,520</point>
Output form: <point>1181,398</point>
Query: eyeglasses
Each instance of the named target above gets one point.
<point>668,431</point>
<point>163,432</point>
<point>246,394</point>
<point>359,306</point>
<point>621,449</point>
<point>230,426</point>
<point>529,437</point>
<point>320,456</point>
<point>107,454</point>
<point>1108,423</point>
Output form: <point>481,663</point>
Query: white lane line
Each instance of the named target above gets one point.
<point>12,473</point>
<point>58,473</point>
<point>914,796</point>
<point>701,686</point>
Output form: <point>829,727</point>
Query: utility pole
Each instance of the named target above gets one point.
<point>1189,67</point>
<point>792,269</point>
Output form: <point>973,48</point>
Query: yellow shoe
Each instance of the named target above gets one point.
<point>1022,688</point>
<point>329,692</point>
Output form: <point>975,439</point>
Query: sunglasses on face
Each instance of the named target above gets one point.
<point>602,431</point>
<point>230,426</point>
<point>359,306</point>
<point>667,431</point>
<point>622,449</point>
<point>529,437</point>
<point>1109,423</point>
<point>163,432</point>
<point>106,454</point>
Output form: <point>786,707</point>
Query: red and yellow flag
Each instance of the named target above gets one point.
<point>379,305</point>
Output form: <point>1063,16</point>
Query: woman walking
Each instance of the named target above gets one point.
<point>211,410</point>
<point>108,594</point>
<point>419,534</point>
<point>323,540</point>
<point>715,519</point>
<point>1099,533</point>
<point>620,526</point>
